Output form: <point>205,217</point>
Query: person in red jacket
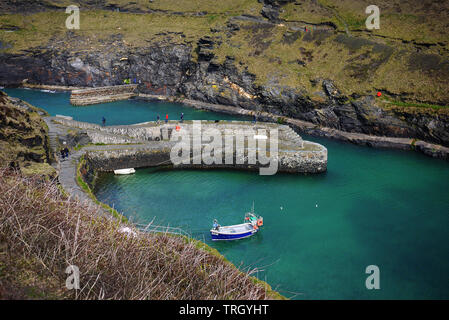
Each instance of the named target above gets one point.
<point>166,118</point>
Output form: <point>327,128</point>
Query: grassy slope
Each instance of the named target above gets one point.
<point>361,63</point>
<point>193,6</point>
<point>420,21</point>
<point>42,232</point>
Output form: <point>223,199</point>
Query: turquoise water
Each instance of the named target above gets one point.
<point>119,112</point>
<point>372,207</point>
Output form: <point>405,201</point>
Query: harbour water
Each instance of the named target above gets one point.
<point>372,207</point>
<point>116,113</point>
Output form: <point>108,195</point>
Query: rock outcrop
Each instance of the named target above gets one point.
<point>24,140</point>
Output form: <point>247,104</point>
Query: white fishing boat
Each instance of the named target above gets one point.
<point>125,171</point>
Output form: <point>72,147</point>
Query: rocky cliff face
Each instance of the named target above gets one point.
<point>24,139</point>
<point>158,68</point>
<point>267,61</point>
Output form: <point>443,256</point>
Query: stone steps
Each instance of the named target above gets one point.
<point>54,141</point>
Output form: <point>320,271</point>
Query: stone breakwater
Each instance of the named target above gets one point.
<point>150,145</point>
<point>83,97</point>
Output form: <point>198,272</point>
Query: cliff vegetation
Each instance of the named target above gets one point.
<point>42,232</point>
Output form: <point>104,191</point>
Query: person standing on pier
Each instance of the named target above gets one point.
<point>157,119</point>
<point>103,121</point>
<point>182,117</point>
<point>166,118</point>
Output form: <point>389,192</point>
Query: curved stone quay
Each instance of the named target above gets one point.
<point>266,147</point>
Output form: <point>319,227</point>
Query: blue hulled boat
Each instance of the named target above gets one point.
<point>250,226</point>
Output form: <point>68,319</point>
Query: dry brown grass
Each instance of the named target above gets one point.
<point>42,233</point>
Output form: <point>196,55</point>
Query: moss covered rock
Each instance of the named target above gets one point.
<point>23,138</point>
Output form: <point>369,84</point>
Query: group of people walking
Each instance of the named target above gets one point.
<point>64,151</point>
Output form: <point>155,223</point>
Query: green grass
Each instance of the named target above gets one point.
<point>188,6</point>
<point>226,7</point>
<point>413,22</point>
<point>37,29</point>
<point>98,26</point>
<point>35,168</point>
<point>414,105</point>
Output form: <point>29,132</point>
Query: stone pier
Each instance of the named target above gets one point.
<point>150,144</point>
<point>83,97</point>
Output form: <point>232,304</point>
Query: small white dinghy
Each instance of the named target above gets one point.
<point>125,171</point>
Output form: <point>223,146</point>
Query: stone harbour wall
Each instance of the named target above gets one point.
<point>134,157</point>
<point>82,97</point>
<point>150,145</point>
